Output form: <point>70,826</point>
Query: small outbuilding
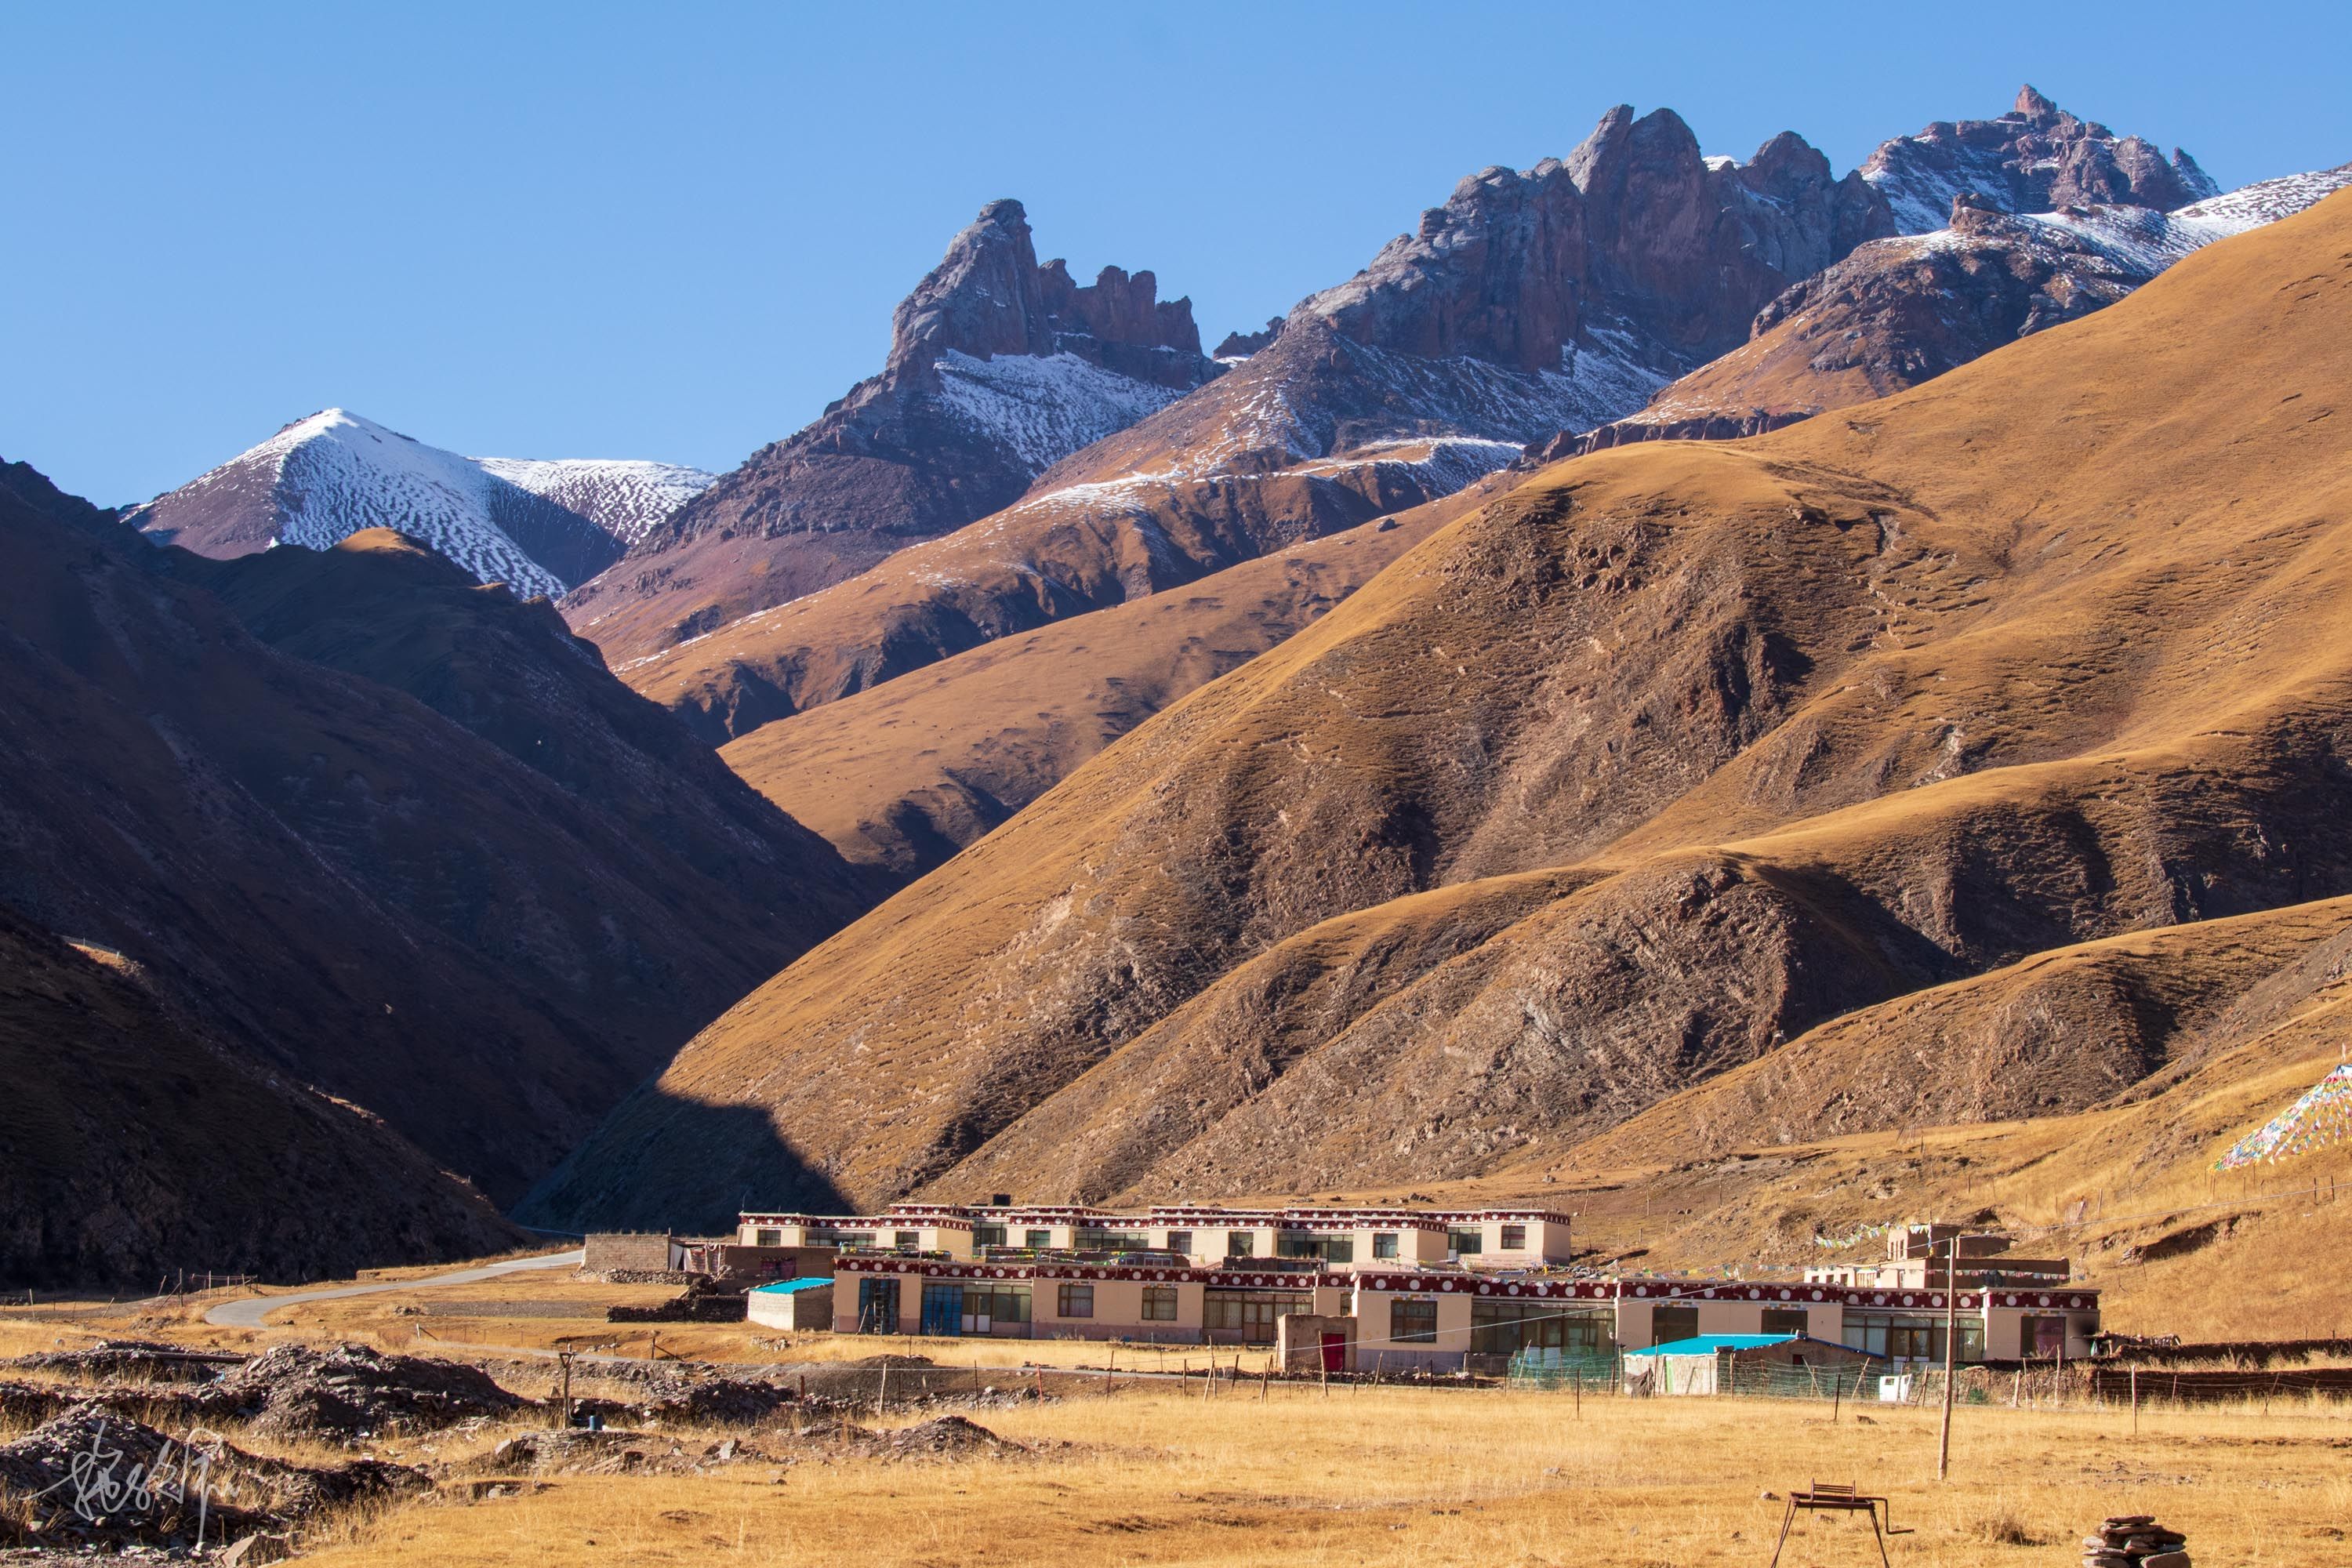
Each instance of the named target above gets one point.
<point>797,1304</point>
<point>1792,1365</point>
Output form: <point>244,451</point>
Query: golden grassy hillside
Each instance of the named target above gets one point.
<point>1059,553</point>
<point>2049,650</point>
<point>905,774</point>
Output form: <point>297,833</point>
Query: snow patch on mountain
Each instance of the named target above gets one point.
<point>624,497</point>
<point>1042,407</point>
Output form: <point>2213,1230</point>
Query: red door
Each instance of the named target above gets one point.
<point>1335,1352</point>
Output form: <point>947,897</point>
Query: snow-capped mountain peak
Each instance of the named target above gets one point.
<point>538,527</point>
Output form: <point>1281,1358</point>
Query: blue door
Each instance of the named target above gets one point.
<point>943,1310</point>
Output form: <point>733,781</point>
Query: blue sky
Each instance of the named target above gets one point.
<point>678,232</point>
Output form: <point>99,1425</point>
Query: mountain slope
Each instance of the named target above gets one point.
<point>998,367</point>
<point>324,875</point>
<point>2049,650</point>
<point>537,526</point>
<point>129,1148</point>
<point>903,775</point>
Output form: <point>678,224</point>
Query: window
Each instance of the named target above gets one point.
<point>845,1239</point>
<point>1038,1240</point>
<point>1515,1239</point>
<point>1249,1315</point>
<point>1413,1323</point>
<point>1464,1242</point>
<point>1089,1238</point>
<point>1160,1304</point>
<point>1668,1324</point>
<point>986,1307</point>
<point>770,1238</point>
<point>988,1235</point>
<point>1339,1249</point>
<point>1076,1301</point>
<point>906,1241</point>
<point>1180,1241</point>
<point>1384,1244</point>
<point>1239,1244</point>
<point>1502,1327</point>
<point>1785,1321</point>
<point>1305,1244</point>
<point>1899,1337</point>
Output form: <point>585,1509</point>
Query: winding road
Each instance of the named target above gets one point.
<point>253,1311</point>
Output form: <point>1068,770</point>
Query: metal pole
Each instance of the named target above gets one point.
<point>1951,1347</point>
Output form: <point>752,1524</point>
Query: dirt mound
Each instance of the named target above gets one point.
<point>581,1453</point>
<point>945,1437</point>
<point>92,1477</point>
<point>142,1360</point>
<point>353,1393</point>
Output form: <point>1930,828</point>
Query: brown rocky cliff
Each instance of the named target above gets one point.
<point>1636,233</point>
<point>897,458</point>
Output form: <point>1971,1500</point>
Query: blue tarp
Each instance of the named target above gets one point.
<point>785,1287</point>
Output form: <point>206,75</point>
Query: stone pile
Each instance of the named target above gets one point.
<point>2135,1540</point>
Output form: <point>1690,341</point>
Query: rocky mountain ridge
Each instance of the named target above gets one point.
<point>1561,298</point>
<point>999,367</point>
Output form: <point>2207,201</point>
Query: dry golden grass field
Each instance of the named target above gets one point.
<point>1415,1477</point>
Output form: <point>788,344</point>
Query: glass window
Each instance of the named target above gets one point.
<point>988,1235</point>
<point>1785,1321</point>
<point>770,1238</point>
<point>1501,1328</point>
<point>1239,1243</point>
<point>1413,1323</point>
<point>1039,1241</point>
<point>906,1241</point>
<point>1076,1301</point>
<point>985,1306</point>
<point>1250,1314</point>
<point>1515,1239</point>
<point>1465,1242</point>
<point>1180,1241</point>
<point>1912,1337</point>
<point>1160,1304</point>
<point>1668,1324</point>
<point>1384,1244</point>
<point>1339,1249</point>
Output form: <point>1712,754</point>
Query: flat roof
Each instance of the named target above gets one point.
<point>788,1287</point>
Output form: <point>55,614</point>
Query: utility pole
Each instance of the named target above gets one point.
<point>1951,1347</point>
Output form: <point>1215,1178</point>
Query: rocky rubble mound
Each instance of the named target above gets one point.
<point>352,1393</point>
<point>93,1479</point>
<point>141,1361</point>
<point>2135,1540</point>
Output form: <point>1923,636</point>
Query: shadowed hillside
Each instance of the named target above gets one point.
<point>2046,651</point>
<point>324,875</point>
